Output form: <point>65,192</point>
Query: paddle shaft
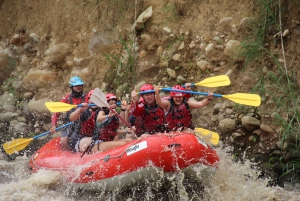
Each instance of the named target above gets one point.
<point>48,132</point>
<point>188,92</point>
<point>80,105</point>
<point>127,124</point>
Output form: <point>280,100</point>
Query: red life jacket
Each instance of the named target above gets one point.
<point>179,116</point>
<point>88,126</point>
<point>149,119</point>
<point>108,128</point>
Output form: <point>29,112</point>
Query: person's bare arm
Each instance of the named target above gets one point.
<point>205,102</point>
<point>75,115</point>
<point>165,104</point>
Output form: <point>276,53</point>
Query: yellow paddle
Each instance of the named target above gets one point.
<point>217,81</point>
<point>16,145</point>
<point>63,107</point>
<point>241,98</point>
<point>207,135</point>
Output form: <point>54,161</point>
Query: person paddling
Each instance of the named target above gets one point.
<point>108,122</point>
<point>178,109</point>
<point>75,97</point>
<point>85,136</point>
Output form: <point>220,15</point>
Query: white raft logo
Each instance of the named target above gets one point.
<point>136,148</point>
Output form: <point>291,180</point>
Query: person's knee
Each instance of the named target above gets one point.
<point>64,143</point>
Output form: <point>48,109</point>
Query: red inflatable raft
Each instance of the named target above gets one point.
<point>127,164</point>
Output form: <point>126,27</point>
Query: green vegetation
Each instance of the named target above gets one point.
<point>276,85</point>
<point>123,66</point>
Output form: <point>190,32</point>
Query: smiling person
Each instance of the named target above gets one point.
<point>75,97</point>
<point>148,117</point>
<point>108,122</point>
<point>84,129</point>
<point>178,109</point>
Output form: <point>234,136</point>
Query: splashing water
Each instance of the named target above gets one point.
<point>231,181</point>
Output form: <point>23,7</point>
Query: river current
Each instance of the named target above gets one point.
<point>231,181</point>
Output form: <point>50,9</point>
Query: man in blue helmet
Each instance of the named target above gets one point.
<point>75,97</point>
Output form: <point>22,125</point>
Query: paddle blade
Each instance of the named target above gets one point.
<point>207,135</point>
<point>245,99</point>
<point>59,106</point>
<point>16,145</point>
<point>217,81</point>
<point>99,98</point>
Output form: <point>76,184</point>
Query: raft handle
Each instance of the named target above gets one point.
<point>106,158</point>
<point>174,145</point>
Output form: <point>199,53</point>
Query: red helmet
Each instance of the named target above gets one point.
<point>146,87</point>
<point>177,94</point>
<point>110,97</point>
<point>90,94</point>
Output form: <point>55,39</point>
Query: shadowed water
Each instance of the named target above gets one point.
<point>231,181</point>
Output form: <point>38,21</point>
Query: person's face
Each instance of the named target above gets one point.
<point>78,88</point>
<point>149,98</point>
<point>112,103</point>
<point>91,102</point>
<point>178,100</point>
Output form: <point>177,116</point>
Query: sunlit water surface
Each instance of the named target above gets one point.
<point>231,181</point>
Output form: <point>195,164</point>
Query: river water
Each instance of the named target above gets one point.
<point>231,181</point>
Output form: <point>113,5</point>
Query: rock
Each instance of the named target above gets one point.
<point>171,73</point>
<point>146,39</point>
<point>36,79</point>
<point>216,108</point>
<point>286,33</point>
<point>21,127</point>
<point>202,65</point>
<point>228,111</point>
<point>224,24</point>
<point>7,99</point>
<point>9,108</point>
<point>181,79</point>
<point>28,95</point>
<point>143,17</point>
<point>181,46</point>
<point>37,108</point>
<point>22,119</point>
<point>57,53</point>
<point>257,132</point>
<point>227,125</point>
<point>177,57</point>
<point>211,51</point>
<point>233,50</point>
<point>7,117</point>
<point>167,29</point>
<point>192,44</point>
<point>18,39</point>
<point>159,51</point>
<point>266,129</point>
<point>250,123</point>
<point>142,54</point>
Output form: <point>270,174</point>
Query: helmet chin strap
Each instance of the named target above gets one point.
<point>76,94</point>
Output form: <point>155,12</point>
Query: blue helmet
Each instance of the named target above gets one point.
<point>75,81</point>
